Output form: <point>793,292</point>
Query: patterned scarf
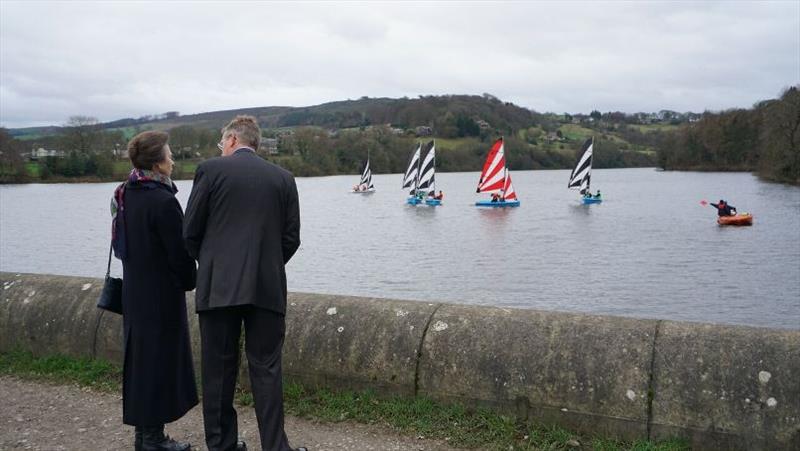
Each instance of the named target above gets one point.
<point>142,177</point>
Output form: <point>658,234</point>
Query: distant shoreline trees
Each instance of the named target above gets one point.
<point>335,138</point>
<point>764,139</point>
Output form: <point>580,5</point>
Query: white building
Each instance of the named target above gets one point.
<point>41,152</point>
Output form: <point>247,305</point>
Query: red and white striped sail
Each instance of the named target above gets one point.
<point>508,189</point>
<point>493,174</point>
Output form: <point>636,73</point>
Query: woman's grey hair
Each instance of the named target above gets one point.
<point>246,130</point>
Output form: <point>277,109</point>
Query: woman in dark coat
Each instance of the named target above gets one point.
<point>158,384</point>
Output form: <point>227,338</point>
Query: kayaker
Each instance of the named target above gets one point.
<point>724,209</point>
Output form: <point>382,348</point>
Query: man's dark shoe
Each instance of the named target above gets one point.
<point>154,439</point>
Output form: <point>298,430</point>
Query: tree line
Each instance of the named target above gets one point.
<point>764,139</point>
<point>313,151</point>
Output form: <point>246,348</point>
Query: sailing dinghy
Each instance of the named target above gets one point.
<point>582,174</point>
<point>421,177</point>
<point>496,179</point>
<point>427,176</point>
<point>411,177</point>
<point>365,185</point>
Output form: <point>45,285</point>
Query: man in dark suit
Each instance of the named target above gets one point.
<point>242,225</point>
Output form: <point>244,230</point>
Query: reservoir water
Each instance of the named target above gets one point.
<point>650,250</point>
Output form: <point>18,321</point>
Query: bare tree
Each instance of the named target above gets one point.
<point>81,134</point>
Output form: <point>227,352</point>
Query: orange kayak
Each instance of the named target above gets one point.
<point>739,220</point>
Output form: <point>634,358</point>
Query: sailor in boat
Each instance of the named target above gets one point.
<point>597,196</point>
<point>724,209</point>
<point>495,197</point>
<point>439,196</point>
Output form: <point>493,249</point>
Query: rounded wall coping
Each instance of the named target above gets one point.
<point>718,385</point>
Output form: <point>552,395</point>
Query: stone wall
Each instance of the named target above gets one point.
<point>722,387</point>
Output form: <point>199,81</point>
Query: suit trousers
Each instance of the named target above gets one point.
<point>220,330</point>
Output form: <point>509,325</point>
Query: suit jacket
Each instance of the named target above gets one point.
<point>242,225</point>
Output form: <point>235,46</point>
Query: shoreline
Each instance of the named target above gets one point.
<point>95,179</point>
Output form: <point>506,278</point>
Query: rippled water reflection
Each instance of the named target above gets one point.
<point>650,250</point>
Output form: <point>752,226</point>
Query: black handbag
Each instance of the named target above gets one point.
<point>111,297</point>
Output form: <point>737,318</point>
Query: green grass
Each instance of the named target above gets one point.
<point>96,374</point>
<point>457,425</point>
<point>127,132</point>
<point>187,167</point>
<point>645,128</point>
<point>122,166</point>
<point>575,132</point>
<point>33,169</point>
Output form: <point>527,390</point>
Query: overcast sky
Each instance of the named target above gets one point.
<point>127,59</point>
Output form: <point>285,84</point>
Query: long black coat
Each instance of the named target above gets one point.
<point>243,226</point>
<point>158,379</point>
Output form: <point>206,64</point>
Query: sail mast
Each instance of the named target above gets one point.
<point>419,171</point>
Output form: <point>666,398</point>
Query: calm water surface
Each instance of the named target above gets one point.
<point>649,250</point>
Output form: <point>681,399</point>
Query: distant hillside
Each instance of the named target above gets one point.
<point>432,111</point>
<point>404,113</point>
<point>336,137</point>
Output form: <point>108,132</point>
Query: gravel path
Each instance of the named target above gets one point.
<point>42,416</point>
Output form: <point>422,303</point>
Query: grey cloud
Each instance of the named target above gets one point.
<point>115,60</point>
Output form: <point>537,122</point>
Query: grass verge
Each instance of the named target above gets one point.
<point>99,375</point>
<point>457,425</point>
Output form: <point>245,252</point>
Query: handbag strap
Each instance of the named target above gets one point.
<point>108,271</point>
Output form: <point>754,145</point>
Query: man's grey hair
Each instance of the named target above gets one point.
<point>246,130</point>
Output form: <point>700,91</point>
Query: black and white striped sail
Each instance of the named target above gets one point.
<point>412,173</point>
<point>427,175</point>
<point>366,176</point>
<point>582,173</point>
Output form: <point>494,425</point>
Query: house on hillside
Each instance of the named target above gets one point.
<point>120,151</point>
<point>269,146</point>
<point>483,124</point>
<point>424,130</point>
<point>41,152</point>
<point>554,136</point>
